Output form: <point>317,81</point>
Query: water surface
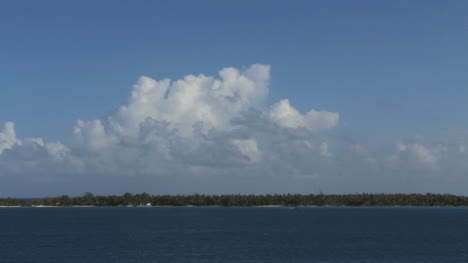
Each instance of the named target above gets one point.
<point>213,234</point>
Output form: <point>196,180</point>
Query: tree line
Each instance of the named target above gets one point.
<point>145,199</point>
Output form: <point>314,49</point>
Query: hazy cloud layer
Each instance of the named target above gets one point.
<point>218,129</point>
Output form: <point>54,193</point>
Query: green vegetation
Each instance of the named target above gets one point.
<point>12,202</point>
<point>145,199</point>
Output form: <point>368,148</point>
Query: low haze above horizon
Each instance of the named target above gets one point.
<point>181,97</point>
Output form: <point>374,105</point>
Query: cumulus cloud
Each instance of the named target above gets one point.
<point>8,141</point>
<point>420,156</point>
<point>193,99</point>
<point>8,136</point>
<point>220,126</point>
<point>285,115</point>
<point>198,121</point>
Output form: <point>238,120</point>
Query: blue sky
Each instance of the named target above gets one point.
<point>393,70</point>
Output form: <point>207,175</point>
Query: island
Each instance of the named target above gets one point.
<point>267,200</point>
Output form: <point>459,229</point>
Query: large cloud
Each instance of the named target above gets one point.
<point>198,123</point>
<point>207,126</point>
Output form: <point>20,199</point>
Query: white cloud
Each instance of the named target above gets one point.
<point>92,135</point>
<point>285,115</point>
<point>57,150</point>
<point>203,125</point>
<point>183,103</point>
<point>421,152</point>
<point>8,137</point>
<point>198,121</point>
<point>423,157</point>
<point>8,140</point>
<point>248,148</point>
<point>324,150</point>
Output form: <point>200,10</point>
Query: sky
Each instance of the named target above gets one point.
<point>233,97</point>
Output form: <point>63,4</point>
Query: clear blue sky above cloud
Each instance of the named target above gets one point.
<point>393,70</point>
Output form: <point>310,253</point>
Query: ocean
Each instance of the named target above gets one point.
<point>222,234</point>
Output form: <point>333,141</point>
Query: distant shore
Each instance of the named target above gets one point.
<point>238,200</point>
<point>217,206</point>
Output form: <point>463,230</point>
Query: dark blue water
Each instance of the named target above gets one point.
<point>233,235</point>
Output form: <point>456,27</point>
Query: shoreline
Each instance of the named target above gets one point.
<point>239,200</point>
<point>215,206</point>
